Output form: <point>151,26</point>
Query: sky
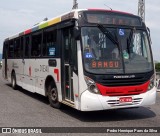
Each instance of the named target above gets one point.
<point>19,15</point>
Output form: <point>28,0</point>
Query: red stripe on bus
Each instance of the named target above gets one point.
<point>27,31</point>
<point>56,71</point>
<point>123,90</point>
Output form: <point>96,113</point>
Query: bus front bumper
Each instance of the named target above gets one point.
<point>95,102</point>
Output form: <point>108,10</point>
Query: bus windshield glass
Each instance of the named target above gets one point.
<point>116,50</point>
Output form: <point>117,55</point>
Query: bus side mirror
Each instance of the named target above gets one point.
<point>77,33</point>
<point>149,35</point>
<point>148,30</point>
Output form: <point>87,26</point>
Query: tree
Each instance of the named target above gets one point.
<point>157,67</point>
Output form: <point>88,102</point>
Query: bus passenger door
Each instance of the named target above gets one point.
<point>69,66</point>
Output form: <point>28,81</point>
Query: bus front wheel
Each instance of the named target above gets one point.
<point>53,96</point>
<point>13,81</point>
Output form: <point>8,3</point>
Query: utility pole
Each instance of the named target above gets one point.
<point>75,4</point>
<point>141,13</point>
<point>141,9</point>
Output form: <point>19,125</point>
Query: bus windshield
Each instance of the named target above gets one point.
<point>115,51</point>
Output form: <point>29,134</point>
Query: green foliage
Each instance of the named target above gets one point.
<point>157,67</point>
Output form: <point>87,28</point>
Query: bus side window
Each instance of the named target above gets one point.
<point>17,48</point>
<point>49,43</point>
<point>74,51</point>
<point>36,45</point>
<point>11,50</point>
<point>5,50</point>
<point>26,47</point>
<point>22,47</point>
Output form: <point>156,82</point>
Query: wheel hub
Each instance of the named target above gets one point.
<point>54,94</point>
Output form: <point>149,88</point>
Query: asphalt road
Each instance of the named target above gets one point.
<point>20,108</point>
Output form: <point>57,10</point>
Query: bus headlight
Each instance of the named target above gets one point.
<point>91,85</point>
<point>152,83</point>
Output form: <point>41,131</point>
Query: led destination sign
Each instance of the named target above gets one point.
<point>112,19</point>
<point>105,64</point>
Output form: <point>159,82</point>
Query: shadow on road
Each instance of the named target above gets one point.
<point>33,95</point>
<point>110,115</point>
<point>98,116</point>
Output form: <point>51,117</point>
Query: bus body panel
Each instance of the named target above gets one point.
<point>76,91</point>
<point>34,76</point>
<point>28,80</point>
<point>91,102</point>
<point>82,83</point>
<point>3,69</point>
<point>9,68</point>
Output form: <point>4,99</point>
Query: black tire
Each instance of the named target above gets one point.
<point>13,81</point>
<point>53,96</point>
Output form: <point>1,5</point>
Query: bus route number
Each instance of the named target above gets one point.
<point>44,68</point>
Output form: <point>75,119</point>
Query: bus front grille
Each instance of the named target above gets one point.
<point>114,103</point>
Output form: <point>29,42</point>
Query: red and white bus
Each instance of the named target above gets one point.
<point>89,59</point>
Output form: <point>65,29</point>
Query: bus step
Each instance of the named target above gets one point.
<point>68,102</point>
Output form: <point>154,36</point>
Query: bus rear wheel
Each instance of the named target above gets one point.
<point>13,81</point>
<point>53,96</point>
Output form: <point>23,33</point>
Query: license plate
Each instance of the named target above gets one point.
<point>125,100</point>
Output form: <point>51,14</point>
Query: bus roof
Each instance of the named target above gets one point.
<point>63,17</point>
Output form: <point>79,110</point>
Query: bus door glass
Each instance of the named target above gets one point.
<point>69,65</point>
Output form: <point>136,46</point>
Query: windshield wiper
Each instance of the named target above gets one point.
<point>107,33</point>
<point>129,39</point>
